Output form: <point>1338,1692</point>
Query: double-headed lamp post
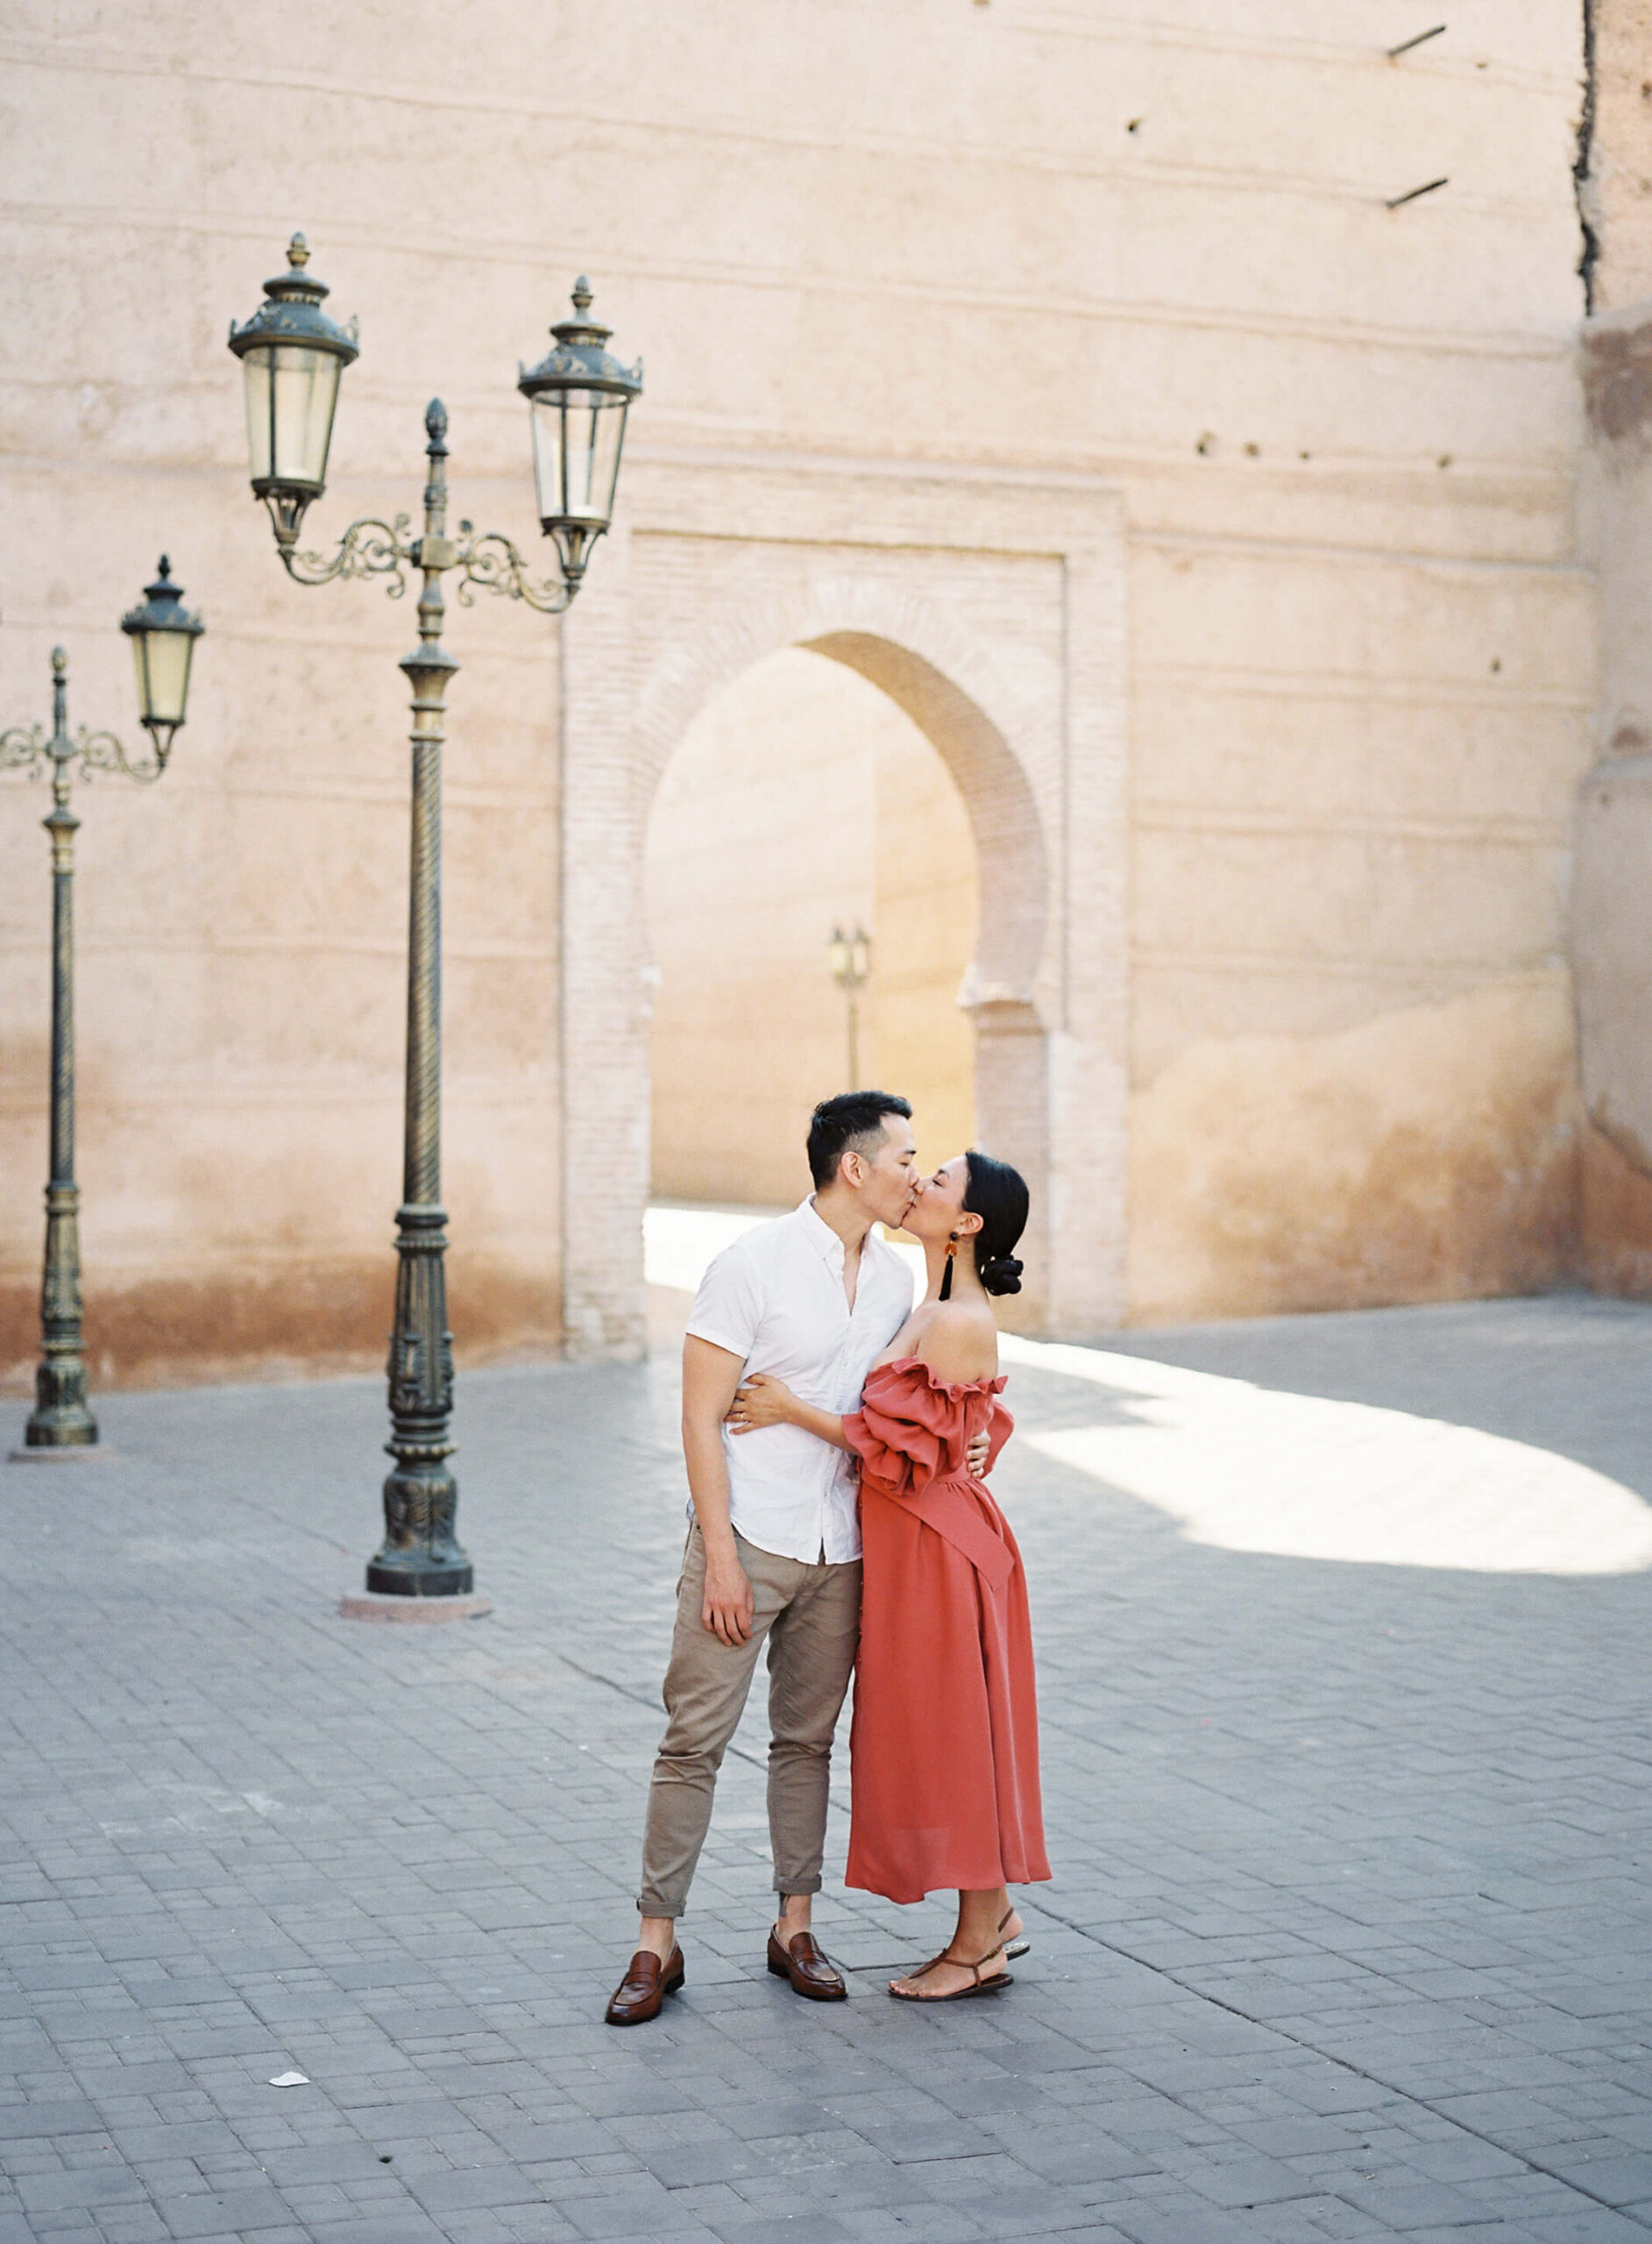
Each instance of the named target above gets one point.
<point>292,356</point>
<point>163,635</point>
<point>851,957</point>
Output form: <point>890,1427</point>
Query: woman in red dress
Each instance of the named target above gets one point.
<point>945,1743</point>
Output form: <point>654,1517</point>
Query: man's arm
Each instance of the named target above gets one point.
<point>710,1377</point>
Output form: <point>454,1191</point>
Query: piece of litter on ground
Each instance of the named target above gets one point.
<point>290,2080</point>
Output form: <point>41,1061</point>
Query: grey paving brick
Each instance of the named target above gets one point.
<point>1408,2205</point>
<point>788,2228</point>
<point>1618,2177</point>
<point>45,2120</point>
<point>1242,2182</point>
<point>231,2212</point>
<point>43,2195</point>
<point>410,2227</point>
<point>1184,2221</point>
<point>1586,2225</point>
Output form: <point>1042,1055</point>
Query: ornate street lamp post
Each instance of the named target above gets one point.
<point>163,635</point>
<point>292,356</point>
<point>851,957</point>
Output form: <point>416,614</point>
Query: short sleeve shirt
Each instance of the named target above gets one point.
<point>776,1299</point>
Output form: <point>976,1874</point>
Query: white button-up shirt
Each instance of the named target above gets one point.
<point>776,1299</point>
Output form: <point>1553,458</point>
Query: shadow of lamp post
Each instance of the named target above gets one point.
<point>292,356</point>
<point>163,635</point>
<point>851,957</point>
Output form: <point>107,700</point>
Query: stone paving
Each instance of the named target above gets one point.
<point>1348,1937</point>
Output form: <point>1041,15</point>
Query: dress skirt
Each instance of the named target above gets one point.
<point>945,1741</point>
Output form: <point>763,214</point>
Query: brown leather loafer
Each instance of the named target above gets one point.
<point>641,1995</point>
<point>805,1963</point>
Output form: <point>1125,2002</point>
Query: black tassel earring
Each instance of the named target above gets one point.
<point>946,1276</point>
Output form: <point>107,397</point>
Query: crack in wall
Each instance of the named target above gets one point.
<point>1582,179</point>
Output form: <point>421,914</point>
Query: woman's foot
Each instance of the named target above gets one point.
<point>947,1975</point>
<point>1012,1932</point>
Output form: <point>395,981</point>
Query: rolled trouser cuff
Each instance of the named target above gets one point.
<point>798,1884</point>
<point>656,1905</point>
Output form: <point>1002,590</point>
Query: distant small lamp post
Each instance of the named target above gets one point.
<point>163,635</point>
<point>851,957</point>
<point>292,356</point>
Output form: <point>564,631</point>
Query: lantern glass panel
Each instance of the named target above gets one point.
<point>161,660</point>
<point>255,373</point>
<point>292,393</point>
<point>577,434</point>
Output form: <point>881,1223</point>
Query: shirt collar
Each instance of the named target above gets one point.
<point>820,1235</point>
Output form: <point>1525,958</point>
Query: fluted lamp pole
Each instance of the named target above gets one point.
<point>163,635</point>
<point>851,957</point>
<point>292,356</point>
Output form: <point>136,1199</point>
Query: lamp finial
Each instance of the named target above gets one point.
<point>298,253</point>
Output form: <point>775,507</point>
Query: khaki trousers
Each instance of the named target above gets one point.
<point>811,1617</point>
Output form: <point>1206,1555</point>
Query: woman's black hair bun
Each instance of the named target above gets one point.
<point>1001,1275</point>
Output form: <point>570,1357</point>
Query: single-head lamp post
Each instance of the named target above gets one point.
<point>163,634</point>
<point>578,395</point>
<point>61,1426</point>
<point>851,957</point>
<point>291,356</point>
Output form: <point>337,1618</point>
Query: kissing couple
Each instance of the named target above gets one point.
<point>823,1416</point>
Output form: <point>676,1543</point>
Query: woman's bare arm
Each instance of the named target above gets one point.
<point>764,1401</point>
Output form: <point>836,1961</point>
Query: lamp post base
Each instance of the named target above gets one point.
<point>62,1453</point>
<point>420,1558</point>
<point>355,1606</point>
<point>419,1584</point>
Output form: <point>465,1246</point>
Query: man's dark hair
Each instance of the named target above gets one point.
<point>852,1122</point>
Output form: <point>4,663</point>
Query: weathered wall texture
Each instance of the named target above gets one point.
<point>1612,913</point>
<point>801,800</point>
<point>1615,181</point>
<point>1031,296</point>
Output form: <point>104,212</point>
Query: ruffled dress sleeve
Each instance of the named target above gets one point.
<point>913,1427</point>
<point>899,1432</point>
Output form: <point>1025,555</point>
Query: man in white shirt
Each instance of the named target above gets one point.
<point>775,1548</point>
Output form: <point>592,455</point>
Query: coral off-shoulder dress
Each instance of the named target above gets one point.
<point>945,1743</point>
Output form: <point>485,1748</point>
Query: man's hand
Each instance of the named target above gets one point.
<point>977,1454</point>
<point>725,1606</point>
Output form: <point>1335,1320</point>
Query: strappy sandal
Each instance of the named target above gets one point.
<point>1020,1945</point>
<point>980,1986</point>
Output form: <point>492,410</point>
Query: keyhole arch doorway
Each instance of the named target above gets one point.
<point>993,613</point>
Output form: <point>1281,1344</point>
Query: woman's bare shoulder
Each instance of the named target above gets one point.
<point>959,1341</point>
